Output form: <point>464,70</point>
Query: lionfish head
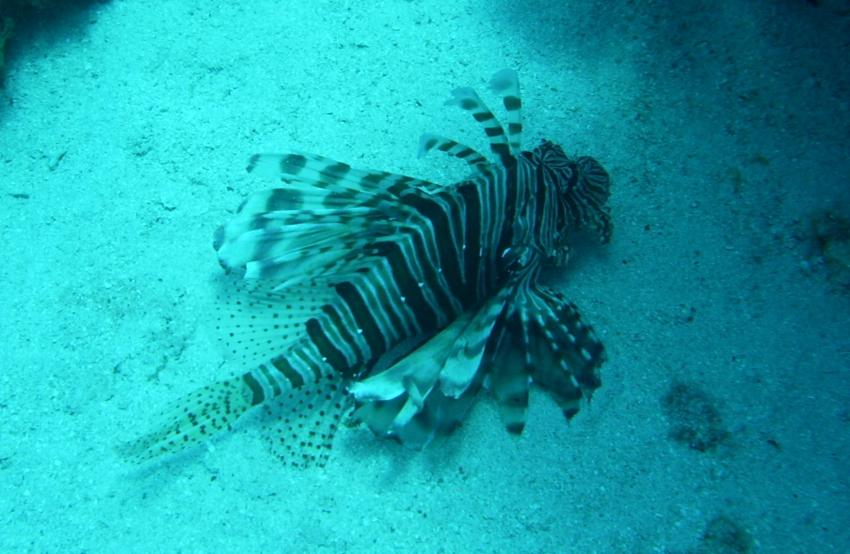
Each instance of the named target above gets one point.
<point>583,188</point>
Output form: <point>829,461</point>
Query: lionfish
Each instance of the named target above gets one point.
<point>401,294</point>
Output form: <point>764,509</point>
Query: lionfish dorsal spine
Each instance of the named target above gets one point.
<point>430,141</point>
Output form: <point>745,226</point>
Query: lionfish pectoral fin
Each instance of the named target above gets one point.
<point>462,365</point>
<point>508,377</point>
<point>408,401</point>
<point>379,415</point>
<point>540,338</point>
<point>565,351</point>
<point>421,368</point>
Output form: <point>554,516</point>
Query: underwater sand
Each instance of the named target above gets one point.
<point>124,134</point>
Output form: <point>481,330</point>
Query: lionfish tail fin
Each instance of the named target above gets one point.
<point>192,420</point>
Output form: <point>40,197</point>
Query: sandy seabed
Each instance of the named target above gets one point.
<point>124,135</point>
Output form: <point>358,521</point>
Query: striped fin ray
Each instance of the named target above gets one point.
<point>430,141</point>
<point>319,171</point>
<point>563,353</point>
<point>576,346</point>
<point>290,253</point>
<point>506,84</point>
<point>322,222</point>
<point>467,99</point>
<point>429,391</point>
<point>509,384</point>
<point>412,378</point>
<point>539,337</point>
<point>291,257</point>
<point>463,363</point>
<point>508,373</point>
<point>289,246</point>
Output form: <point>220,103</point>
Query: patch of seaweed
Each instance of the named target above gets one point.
<point>723,535</point>
<point>694,420</point>
<point>831,234</point>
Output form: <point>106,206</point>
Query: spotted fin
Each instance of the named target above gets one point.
<point>256,320</point>
<point>256,325</point>
<point>299,426</point>
<point>191,420</point>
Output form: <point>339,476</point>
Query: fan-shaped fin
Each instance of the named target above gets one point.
<point>508,377</point>
<point>300,425</point>
<point>255,320</point>
<point>463,363</point>
<point>566,353</point>
<point>418,371</point>
<point>593,187</point>
<point>428,391</point>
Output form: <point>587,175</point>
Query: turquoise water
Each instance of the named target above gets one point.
<point>721,425</point>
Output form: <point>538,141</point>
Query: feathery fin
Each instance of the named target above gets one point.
<point>429,391</point>
<point>300,425</point>
<point>256,321</point>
